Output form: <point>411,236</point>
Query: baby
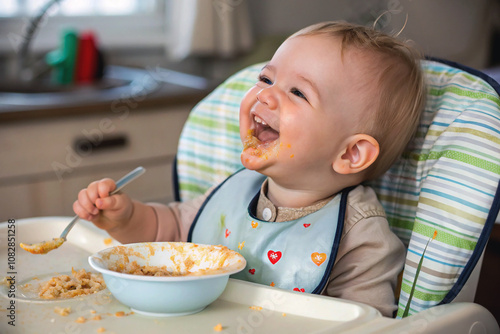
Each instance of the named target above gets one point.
<point>334,107</point>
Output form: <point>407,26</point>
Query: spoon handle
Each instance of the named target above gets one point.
<point>128,178</point>
<point>119,185</point>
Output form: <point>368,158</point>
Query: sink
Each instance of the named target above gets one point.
<point>118,83</point>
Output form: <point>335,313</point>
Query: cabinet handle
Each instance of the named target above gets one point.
<point>87,146</point>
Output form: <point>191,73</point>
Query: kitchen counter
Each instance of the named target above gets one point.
<point>122,88</point>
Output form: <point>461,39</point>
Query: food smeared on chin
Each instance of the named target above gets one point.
<point>43,247</point>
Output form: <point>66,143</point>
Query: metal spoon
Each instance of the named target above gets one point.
<point>46,246</point>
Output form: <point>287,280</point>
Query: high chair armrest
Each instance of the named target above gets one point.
<point>449,318</point>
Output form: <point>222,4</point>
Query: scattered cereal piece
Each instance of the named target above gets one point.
<point>65,286</point>
<point>257,308</point>
<point>108,241</point>
<point>80,320</point>
<point>101,330</point>
<point>120,314</point>
<point>218,328</point>
<point>97,317</point>
<point>93,311</point>
<point>64,311</point>
<point>283,314</point>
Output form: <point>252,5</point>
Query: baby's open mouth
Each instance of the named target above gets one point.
<point>261,138</point>
<point>263,131</point>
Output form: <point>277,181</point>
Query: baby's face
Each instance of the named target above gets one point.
<point>305,105</point>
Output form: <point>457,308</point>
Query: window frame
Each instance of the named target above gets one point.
<point>136,31</point>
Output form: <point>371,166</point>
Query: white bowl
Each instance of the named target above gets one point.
<point>200,275</point>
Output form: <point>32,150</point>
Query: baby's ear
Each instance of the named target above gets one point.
<point>359,154</point>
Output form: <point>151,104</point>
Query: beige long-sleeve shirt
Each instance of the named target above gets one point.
<point>369,258</point>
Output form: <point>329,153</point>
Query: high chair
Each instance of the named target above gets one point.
<point>446,182</point>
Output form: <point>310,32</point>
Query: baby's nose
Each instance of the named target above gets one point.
<point>269,97</point>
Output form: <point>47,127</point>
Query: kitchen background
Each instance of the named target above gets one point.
<point>55,139</point>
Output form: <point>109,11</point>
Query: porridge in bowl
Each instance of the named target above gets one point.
<point>167,278</point>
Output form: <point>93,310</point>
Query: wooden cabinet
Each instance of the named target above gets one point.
<point>46,161</point>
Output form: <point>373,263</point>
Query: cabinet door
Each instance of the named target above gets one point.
<point>45,163</point>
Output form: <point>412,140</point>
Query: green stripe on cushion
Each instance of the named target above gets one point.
<point>213,123</point>
<point>458,156</point>
<point>443,236</point>
<point>453,210</point>
<point>422,295</point>
<point>462,92</point>
<point>477,133</point>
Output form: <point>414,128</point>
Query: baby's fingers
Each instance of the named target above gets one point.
<point>107,203</point>
<point>83,212</point>
<point>103,187</point>
<point>85,203</point>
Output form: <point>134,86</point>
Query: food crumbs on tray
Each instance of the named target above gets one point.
<point>64,286</point>
<point>108,241</point>
<point>120,314</point>
<point>257,308</point>
<point>63,311</point>
<point>80,320</point>
<point>93,311</point>
<point>218,328</point>
<point>101,330</point>
<point>283,314</point>
<point>97,317</point>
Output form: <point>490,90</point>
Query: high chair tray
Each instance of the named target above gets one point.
<point>243,307</point>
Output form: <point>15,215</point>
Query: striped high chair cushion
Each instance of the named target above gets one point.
<point>445,182</point>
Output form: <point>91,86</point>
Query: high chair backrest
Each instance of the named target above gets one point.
<point>446,181</point>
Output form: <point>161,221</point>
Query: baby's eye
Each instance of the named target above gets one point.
<point>265,80</point>
<point>297,92</point>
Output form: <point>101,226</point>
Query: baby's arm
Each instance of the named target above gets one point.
<point>182,213</point>
<point>367,266</point>
<point>131,221</point>
<point>370,255</point>
<point>125,220</point>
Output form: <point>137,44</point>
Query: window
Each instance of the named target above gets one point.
<point>117,24</point>
<point>10,8</point>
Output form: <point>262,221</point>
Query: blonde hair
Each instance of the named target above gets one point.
<point>400,85</point>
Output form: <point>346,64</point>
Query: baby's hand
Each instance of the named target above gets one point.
<point>106,212</point>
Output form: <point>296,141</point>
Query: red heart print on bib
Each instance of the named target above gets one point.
<point>274,256</point>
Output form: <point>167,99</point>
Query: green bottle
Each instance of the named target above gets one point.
<point>63,59</point>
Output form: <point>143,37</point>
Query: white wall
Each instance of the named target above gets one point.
<point>457,30</point>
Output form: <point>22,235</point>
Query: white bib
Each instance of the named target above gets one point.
<point>296,255</point>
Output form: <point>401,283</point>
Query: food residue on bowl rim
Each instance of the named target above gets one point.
<point>183,260</point>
